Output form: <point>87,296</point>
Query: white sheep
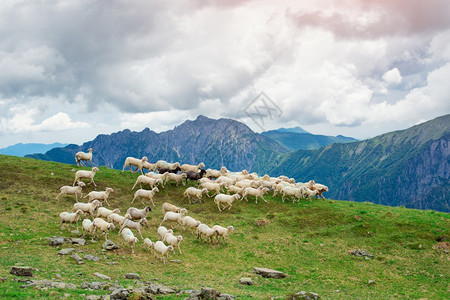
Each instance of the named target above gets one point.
<point>288,191</point>
<point>134,225</point>
<point>138,163</point>
<point>194,193</point>
<point>143,179</point>
<point>187,167</point>
<point>67,217</point>
<point>134,213</point>
<point>80,174</point>
<point>145,194</point>
<point>88,227</point>
<point>80,156</point>
<point>72,190</point>
<point>87,207</point>
<point>212,187</point>
<point>129,237</point>
<point>245,183</point>
<point>162,231</point>
<point>116,218</point>
<point>174,217</point>
<point>211,173</point>
<point>162,250</point>
<point>176,177</point>
<point>148,242</point>
<point>157,176</point>
<point>225,200</point>
<point>149,166</point>
<point>164,165</point>
<point>254,192</point>
<point>223,232</point>
<point>170,207</point>
<point>103,226</point>
<point>307,193</point>
<point>173,240</point>
<point>190,222</point>
<point>320,189</point>
<point>204,229</point>
<point>227,180</point>
<point>235,189</point>
<point>103,212</point>
<point>101,196</point>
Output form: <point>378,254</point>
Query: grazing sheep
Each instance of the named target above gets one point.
<point>80,156</point>
<point>293,192</point>
<point>72,190</point>
<point>173,240</point>
<point>162,250</point>
<point>87,207</point>
<point>212,187</point>
<point>225,200</point>
<point>170,207</point>
<point>193,193</point>
<point>141,193</point>
<point>103,226</point>
<point>174,217</point>
<point>88,227</point>
<point>254,192</point>
<point>175,177</point>
<point>143,179</point>
<point>129,237</point>
<point>116,218</point>
<point>137,214</point>
<point>67,217</point>
<point>138,163</point>
<point>204,229</point>
<point>186,167</point>
<point>103,212</point>
<point>235,189</point>
<point>134,225</point>
<point>101,196</point>
<point>195,176</point>
<point>148,242</point>
<point>189,222</point>
<point>223,232</point>
<point>162,231</point>
<point>85,174</point>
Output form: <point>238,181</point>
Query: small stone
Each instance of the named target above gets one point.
<point>66,251</point>
<point>91,257</point>
<point>101,276</point>
<point>110,245</point>
<point>56,240</point>
<point>112,263</point>
<point>75,232</point>
<point>93,297</point>
<point>132,276</point>
<point>246,281</point>
<point>57,275</point>
<point>269,273</point>
<point>371,282</point>
<point>225,297</point>
<point>177,261</point>
<point>77,258</point>
<point>119,294</point>
<point>360,253</point>
<point>306,296</point>
<point>78,241</point>
<point>21,271</point>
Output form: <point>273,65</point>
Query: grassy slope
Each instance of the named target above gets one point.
<point>308,240</point>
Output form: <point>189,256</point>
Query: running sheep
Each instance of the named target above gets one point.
<point>134,225</point>
<point>225,200</point>
<point>129,237</point>
<point>67,217</point>
<point>80,156</point>
<point>223,232</point>
<point>85,174</point>
<point>87,207</point>
<point>161,250</point>
<point>138,163</point>
<point>134,213</point>
<point>174,217</point>
<point>194,193</point>
<point>204,229</point>
<point>103,226</point>
<point>101,196</point>
<point>103,212</point>
<point>145,194</point>
<point>173,240</point>
<point>72,190</point>
<point>143,179</point>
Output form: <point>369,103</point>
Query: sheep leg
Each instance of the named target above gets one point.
<point>134,199</point>
<point>218,205</point>
<point>229,207</point>
<point>139,231</point>
<point>106,200</point>
<point>263,199</point>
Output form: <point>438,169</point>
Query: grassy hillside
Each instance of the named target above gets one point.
<point>308,240</point>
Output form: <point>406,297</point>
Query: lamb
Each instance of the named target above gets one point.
<point>134,225</point>
<point>103,212</point>
<point>174,217</point>
<point>157,176</point>
<point>189,222</point>
<point>88,227</point>
<point>170,207</point>
<point>79,156</point>
<point>192,175</point>
<point>204,229</point>
<point>103,226</point>
<point>162,250</point>
<point>67,217</point>
<point>129,237</point>
<point>212,187</point>
<point>235,189</point>
<point>175,177</point>
<point>141,193</point>
<point>186,167</point>
<point>173,240</point>
<point>148,242</point>
<point>72,190</point>
<point>225,200</point>
<point>102,195</point>
<point>289,191</point>
<point>320,189</point>
<point>307,193</point>
<point>137,214</point>
<point>87,207</point>
<point>138,163</point>
<point>85,174</point>
<point>149,166</point>
<point>116,218</point>
<point>143,179</point>
<point>254,192</point>
<point>196,194</point>
<point>223,232</point>
<point>162,231</point>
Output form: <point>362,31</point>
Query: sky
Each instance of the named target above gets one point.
<point>73,69</point>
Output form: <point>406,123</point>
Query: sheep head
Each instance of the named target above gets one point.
<point>95,169</point>
<point>144,222</point>
<point>116,211</point>
<point>183,211</point>
<point>144,159</point>
<point>81,184</point>
<point>201,165</point>
<point>155,189</point>
<point>148,208</point>
<point>111,226</point>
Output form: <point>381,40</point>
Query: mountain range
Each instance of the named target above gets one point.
<point>408,167</point>
<point>21,149</point>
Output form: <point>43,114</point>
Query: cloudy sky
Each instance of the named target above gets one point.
<point>73,69</point>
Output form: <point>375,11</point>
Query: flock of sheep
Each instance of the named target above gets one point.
<point>212,183</point>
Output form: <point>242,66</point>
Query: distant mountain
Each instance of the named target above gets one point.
<point>29,148</point>
<point>297,138</point>
<point>217,143</point>
<point>409,167</point>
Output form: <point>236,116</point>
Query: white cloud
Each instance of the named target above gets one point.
<point>392,77</point>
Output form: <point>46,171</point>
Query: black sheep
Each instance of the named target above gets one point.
<point>191,175</point>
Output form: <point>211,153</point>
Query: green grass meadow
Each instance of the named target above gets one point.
<point>310,241</point>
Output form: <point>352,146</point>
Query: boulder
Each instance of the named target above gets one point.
<point>110,245</point>
<point>119,294</point>
<point>78,259</point>
<point>91,257</point>
<point>66,251</point>
<point>305,295</point>
<point>56,240</point>
<point>21,271</point>
<point>78,241</point>
<point>269,273</point>
<point>102,276</point>
<point>246,281</point>
<point>132,276</point>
